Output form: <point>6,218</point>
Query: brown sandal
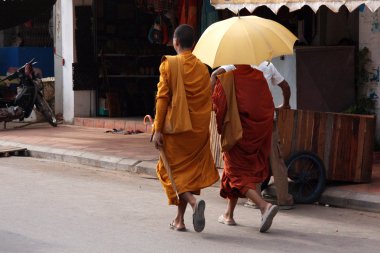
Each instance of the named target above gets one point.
<point>172,226</point>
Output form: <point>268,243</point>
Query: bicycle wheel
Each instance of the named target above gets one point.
<point>45,109</point>
<point>308,177</point>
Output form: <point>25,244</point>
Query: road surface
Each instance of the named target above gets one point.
<point>49,206</point>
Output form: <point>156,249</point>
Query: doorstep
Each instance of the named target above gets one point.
<point>129,124</point>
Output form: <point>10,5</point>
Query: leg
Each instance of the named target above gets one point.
<point>229,214</point>
<point>189,198</point>
<point>178,223</point>
<point>268,211</point>
<point>279,171</point>
<point>258,200</point>
<point>228,217</point>
<point>198,206</point>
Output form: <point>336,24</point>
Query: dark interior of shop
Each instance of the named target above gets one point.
<point>125,52</point>
<point>119,45</point>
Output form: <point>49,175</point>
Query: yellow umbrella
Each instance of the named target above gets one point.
<point>243,40</point>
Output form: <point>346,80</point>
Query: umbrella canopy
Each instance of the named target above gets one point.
<point>243,40</point>
<point>275,5</point>
<point>15,12</point>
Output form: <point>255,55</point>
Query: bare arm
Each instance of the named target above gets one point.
<point>285,93</point>
<point>216,72</point>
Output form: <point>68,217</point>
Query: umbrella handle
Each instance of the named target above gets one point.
<point>169,171</point>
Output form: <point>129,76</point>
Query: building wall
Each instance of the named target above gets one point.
<point>287,68</point>
<point>339,26</point>
<point>58,103</point>
<point>369,36</point>
<point>68,57</point>
<point>71,103</point>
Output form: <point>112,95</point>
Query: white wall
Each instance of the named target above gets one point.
<point>84,103</point>
<point>287,68</point>
<point>68,56</point>
<point>58,100</point>
<point>369,36</point>
<point>71,103</point>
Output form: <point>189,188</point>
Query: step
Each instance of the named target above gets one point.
<point>128,124</point>
<point>6,151</point>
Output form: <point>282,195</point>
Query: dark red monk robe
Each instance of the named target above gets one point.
<point>247,162</point>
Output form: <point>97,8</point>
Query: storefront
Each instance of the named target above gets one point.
<point>15,12</point>
<point>26,33</point>
<point>116,53</point>
<point>111,68</point>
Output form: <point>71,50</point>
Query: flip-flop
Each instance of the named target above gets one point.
<point>223,220</point>
<point>173,227</point>
<point>267,218</point>
<point>199,221</point>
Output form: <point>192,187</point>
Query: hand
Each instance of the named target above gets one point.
<point>158,140</point>
<point>283,106</point>
<point>212,83</point>
<point>29,70</point>
<point>216,72</point>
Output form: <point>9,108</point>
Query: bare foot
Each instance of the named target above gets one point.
<point>177,226</point>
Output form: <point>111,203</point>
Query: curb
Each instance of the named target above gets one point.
<point>87,158</point>
<point>331,196</point>
<point>351,200</point>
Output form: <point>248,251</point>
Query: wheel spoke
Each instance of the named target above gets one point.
<point>308,176</point>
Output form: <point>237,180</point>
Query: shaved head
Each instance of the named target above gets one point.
<point>185,36</point>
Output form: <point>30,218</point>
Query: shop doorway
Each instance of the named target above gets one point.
<point>119,45</point>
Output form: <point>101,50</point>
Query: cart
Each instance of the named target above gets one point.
<point>319,147</point>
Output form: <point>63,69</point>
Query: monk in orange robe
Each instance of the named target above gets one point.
<point>244,112</point>
<point>184,94</point>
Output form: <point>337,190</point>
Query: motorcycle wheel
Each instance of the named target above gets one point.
<point>44,108</point>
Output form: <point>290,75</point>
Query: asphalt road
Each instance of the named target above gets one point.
<point>48,206</point>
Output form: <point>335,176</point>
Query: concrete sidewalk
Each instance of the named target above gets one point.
<point>134,153</point>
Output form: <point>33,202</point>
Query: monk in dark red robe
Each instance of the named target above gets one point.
<point>244,112</point>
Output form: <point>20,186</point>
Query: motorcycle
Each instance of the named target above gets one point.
<point>19,104</point>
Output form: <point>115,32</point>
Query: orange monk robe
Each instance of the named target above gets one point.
<point>188,153</point>
<point>247,162</point>
<point>187,13</point>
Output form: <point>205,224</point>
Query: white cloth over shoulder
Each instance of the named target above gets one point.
<point>270,72</point>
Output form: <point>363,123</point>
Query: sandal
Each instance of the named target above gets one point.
<point>223,220</point>
<point>199,221</point>
<point>172,226</point>
<point>267,218</point>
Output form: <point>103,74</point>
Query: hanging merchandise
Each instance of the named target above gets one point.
<point>140,4</point>
<point>170,5</point>
<point>158,6</point>
<point>28,24</point>
<point>16,12</point>
<point>209,15</point>
<point>171,22</point>
<point>155,34</point>
<point>188,12</point>
<point>161,31</point>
